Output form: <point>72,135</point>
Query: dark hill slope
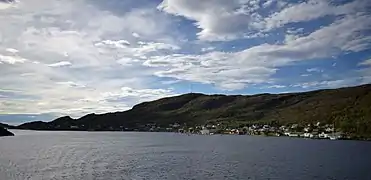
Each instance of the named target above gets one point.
<point>347,107</point>
<point>5,132</point>
<point>6,126</point>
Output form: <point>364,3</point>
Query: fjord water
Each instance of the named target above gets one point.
<point>122,155</point>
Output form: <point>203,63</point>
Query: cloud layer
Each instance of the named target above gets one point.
<point>77,57</point>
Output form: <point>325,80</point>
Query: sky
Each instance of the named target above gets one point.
<point>75,57</point>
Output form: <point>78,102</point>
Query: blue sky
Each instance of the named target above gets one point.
<point>83,56</point>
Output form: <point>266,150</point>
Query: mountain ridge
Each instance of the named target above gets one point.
<point>348,107</point>
<point>7,126</point>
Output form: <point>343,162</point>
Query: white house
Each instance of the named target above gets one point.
<point>176,125</point>
<point>329,129</point>
<point>308,135</point>
<point>294,126</point>
<point>323,135</point>
<point>204,131</point>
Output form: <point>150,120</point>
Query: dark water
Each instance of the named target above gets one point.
<point>117,155</point>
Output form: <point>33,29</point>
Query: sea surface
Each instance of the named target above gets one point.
<point>32,155</point>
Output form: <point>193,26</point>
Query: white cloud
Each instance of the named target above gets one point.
<point>329,84</point>
<point>126,61</point>
<point>136,35</point>
<point>208,15</point>
<point>116,44</point>
<point>7,4</point>
<point>139,49</point>
<point>318,70</point>
<point>46,34</point>
<point>11,50</point>
<point>11,59</point>
<point>313,9</point>
<point>154,46</point>
<point>365,63</point>
<point>244,19</point>
<point>124,57</point>
<point>237,70</point>
<point>268,3</point>
<point>142,94</point>
<point>220,69</point>
<point>60,64</point>
<point>366,71</point>
<point>276,86</point>
<point>71,84</point>
<point>207,49</point>
<point>170,82</point>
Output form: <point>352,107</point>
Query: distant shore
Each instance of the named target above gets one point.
<point>210,134</point>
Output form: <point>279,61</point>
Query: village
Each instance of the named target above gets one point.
<point>313,131</point>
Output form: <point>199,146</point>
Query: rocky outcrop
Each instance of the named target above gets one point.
<point>5,132</point>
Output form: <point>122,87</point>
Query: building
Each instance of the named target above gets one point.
<point>323,135</point>
<point>205,131</point>
<point>175,125</point>
<point>308,135</point>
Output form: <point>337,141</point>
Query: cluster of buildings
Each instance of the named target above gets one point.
<point>315,131</point>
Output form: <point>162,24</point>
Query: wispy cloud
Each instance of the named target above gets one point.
<point>318,70</point>
<point>365,63</point>
<point>60,64</point>
<point>11,59</point>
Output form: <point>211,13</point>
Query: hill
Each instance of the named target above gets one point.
<point>6,126</point>
<point>349,108</point>
<point>4,132</point>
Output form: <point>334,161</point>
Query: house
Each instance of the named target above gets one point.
<point>209,126</point>
<point>329,129</point>
<point>294,126</point>
<point>293,135</point>
<point>308,135</point>
<point>205,132</point>
<point>323,135</point>
<point>337,135</point>
<point>175,125</point>
<point>234,131</point>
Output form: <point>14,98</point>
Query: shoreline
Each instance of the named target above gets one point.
<point>298,137</point>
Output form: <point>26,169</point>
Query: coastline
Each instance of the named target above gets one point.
<point>214,134</point>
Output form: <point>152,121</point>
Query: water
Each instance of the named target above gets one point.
<point>118,155</point>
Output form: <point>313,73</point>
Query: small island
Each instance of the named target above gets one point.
<point>5,132</point>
